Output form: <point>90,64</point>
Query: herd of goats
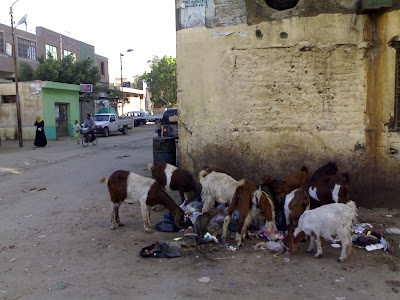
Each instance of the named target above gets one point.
<point>316,207</point>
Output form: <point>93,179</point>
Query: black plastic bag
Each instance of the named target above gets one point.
<point>159,250</point>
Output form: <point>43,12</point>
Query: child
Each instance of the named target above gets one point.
<point>77,130</point>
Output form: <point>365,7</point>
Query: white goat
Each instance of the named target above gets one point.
<point>325,221</point>
<point>217,187</point>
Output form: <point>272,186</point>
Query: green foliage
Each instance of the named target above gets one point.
<point>162,80</point>
<point>66,70</point>
<point>25,72</point>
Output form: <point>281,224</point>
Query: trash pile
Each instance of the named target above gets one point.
<point>204,228</point>
<point>365,237</point>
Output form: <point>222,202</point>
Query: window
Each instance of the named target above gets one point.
<point>282,4</point>
<point>1,42</point>
<point>9,99</point>
<point>112,119</point>
<point>26,49</point>
<point>102,68</point>
<point>396,124</point>
<point>51,52</point>
<point>66,53</point>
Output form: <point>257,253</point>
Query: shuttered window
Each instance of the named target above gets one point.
<point>1,42</point>
<point>26,49</point>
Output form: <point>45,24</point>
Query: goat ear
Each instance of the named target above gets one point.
<point>266,179</point>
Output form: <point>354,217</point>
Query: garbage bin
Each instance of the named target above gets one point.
<point>164,150</point>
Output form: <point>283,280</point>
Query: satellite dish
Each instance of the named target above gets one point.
<point>23,20</point>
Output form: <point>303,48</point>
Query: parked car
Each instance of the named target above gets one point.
<point>170,123</point>
<point>139,117</point>
<point>107,123</point>
<point>154,118</point>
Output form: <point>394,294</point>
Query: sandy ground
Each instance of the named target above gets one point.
<point>55,226</point>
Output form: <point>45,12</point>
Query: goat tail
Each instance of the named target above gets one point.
<point>150,167</point>
<point>352,205</point>
<point>346,177</point>
<point>203,174</point>
<point>304,169</point>
<point>104,180</point>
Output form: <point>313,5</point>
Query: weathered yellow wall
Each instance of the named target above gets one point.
<point>31,107</point>
<point>296,94</point>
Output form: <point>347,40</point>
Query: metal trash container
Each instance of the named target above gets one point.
<point>164,150</point>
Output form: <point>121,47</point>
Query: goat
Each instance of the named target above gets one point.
<point>217,187</point>
<point>220,170</point>
<point>329,189</point>
<point>296,203</point>
<point>127,185</point>
<point>324,222</point>
<point>175,179</point>
<point>328,169</point>
<point>288,184</point>
<point>246,200</point>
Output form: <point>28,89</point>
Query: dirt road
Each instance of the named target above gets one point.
<point>55,226</point>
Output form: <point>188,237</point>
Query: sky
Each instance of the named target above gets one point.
<point>112,27</point>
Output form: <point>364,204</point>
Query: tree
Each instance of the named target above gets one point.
<point>66,70</point>
<point>162,79</point>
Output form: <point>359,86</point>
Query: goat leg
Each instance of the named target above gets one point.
<point>146,218</point>
<point>319,248</point>
<point>225,227</point>
<point>114,214</point>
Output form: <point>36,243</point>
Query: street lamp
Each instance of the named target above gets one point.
<point>21,143</point>
<point>122,85</point>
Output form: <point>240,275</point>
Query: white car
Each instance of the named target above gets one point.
<point>107,123</point>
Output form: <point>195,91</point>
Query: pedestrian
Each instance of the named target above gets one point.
<point>40,138</point>
<point>77,130</point>
<point>159,127</point>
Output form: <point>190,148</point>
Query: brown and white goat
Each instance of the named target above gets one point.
<point>246,200</point>
<point>288,184</point>
<point>329,189</point>
<point>296,203</point>
<point>329,220</point>
<point>216,187</point>
<point>175,179</point>
<point>146,191</point>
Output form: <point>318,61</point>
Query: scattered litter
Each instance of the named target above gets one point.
<point>27,163</point>
<point>339,280</point>
<point>177,239</point>
<point>159,250</point>
<point>231,248</point>
<point>389,216</point>
<point>232,283</point>
<point>360,228</point>
<point>286,259</point>
<point>374,247</point>
<point>393,230</point>
<point>340,298</point>
<point>12,260</point>
<point>60,285</point>
<point>93,239</point>
<point>204,279</point>
<point>210,238</point>
<point>273,246</point>
<point>43,235</point>
<point>335,245</point>
<point>28,216</point>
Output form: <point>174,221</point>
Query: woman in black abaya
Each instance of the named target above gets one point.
<point>40,138</point>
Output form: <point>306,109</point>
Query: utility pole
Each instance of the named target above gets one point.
<point>122,85</point>
<point>21,143</point>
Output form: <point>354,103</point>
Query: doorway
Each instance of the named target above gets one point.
<point>61,112</point>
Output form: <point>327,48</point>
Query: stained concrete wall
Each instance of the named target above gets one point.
<point>270,97</point>
<point>31,106</point>
<point>37,98</point>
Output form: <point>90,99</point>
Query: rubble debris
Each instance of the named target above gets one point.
<point>60,285</point>
<point>204,279</point>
